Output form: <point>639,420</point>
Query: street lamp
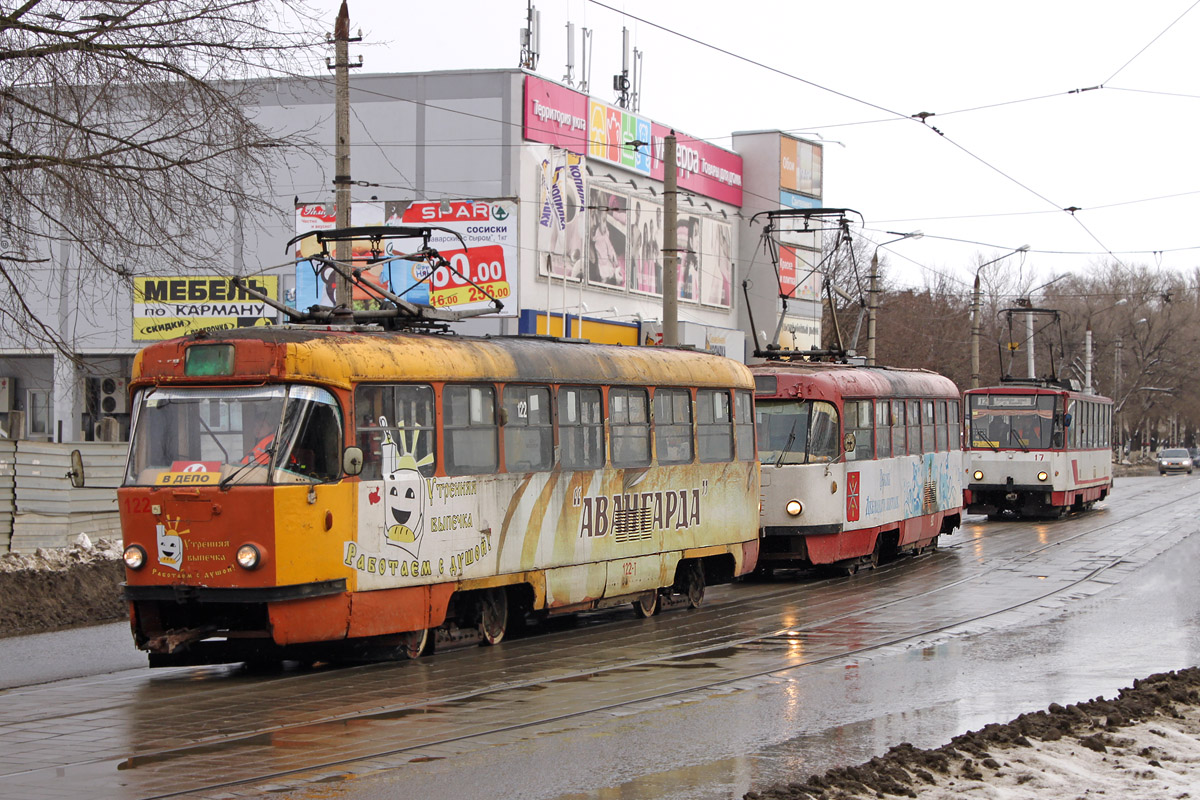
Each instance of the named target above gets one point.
<point>975,314</point>
<point>873,290</point>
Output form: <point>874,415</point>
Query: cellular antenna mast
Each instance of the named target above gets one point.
<point>531,38</point>
<point>621,81</point>
<point>585,60</point>
<point>569,78</point>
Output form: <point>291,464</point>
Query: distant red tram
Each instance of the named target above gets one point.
<point>1036,449</point>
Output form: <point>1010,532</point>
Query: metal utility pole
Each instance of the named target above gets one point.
<point>343,297</point>
<point>670,244</point>
<point>872,307</point>
<point>873,294</point>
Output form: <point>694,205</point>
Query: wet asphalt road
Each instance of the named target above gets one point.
<point>768,682</point>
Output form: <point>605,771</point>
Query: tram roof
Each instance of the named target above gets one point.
<point>1039,387</point>
<point>344,357</point>
<point>850,380</point>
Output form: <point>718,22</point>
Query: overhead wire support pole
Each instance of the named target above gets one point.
<point>670,243</point>
<point>343,293</point>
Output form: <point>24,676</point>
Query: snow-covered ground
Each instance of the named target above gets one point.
<point>1143,744</point>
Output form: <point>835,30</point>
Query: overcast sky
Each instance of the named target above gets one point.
<point>1017,144</point>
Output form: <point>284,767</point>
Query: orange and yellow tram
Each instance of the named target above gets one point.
<point>313,492</point>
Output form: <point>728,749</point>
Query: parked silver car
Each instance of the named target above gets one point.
<point>1174,459</point>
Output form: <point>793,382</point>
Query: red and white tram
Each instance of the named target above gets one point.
<point>1036,448</point>
<point>858,463</point>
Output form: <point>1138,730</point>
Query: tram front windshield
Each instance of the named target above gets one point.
<point>1015,421</point>
<point>256,435</point>
<point>796,431</point>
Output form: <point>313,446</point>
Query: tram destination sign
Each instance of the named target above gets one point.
<point>164,308</point>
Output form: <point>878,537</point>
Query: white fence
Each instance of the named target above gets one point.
<point>38,505</point>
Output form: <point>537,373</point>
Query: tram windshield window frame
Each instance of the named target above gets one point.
<point>220,436</point>
<point>1000,421</point>
<point>528,428</point>
<point>793,432</point>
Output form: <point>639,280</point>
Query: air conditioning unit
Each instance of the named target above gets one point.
<point>6,394</point>
<point>107,430</point>
<point>114,396</point>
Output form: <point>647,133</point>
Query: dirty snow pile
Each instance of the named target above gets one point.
<point>82,550</point>
<point>54,588</point>
<point>1144,744</point>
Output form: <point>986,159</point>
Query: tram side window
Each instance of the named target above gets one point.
<point>673,426</point>
<point>943,429</point>
<point>714,427</point>
<point>928,426</point>
<point>580,428</point>
<point>914,427</point>
<point>469,425</point>
<point>395,427</point>
<point>743,418</point>
<point>629,427</point>
<point>858,423</point>
<point>528,429</point>
<point>955,427</point>
<point>883,428</point>
<point>898,430</point>
<point>823,444</point>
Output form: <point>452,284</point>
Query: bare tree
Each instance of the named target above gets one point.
<point>128,140</point>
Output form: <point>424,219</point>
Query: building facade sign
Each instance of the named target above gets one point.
<point>553,114</point>
<point>800,165</point>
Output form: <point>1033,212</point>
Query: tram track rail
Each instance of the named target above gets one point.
<point>823,603</point>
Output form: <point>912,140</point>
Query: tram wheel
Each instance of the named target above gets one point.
<point>493,616</point>
<point>413,643</point>
<point>695,584</point>
<point>646,605</point>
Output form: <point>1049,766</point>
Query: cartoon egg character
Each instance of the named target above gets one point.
<point>170,548</point>
<point>404,504</point>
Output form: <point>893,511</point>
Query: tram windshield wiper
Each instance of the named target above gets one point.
<point>228,479</point>
<point>1012,435</point>
<point>975,436</point>
<point>787,447</point>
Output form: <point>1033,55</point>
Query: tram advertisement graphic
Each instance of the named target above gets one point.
<point>852,484</point>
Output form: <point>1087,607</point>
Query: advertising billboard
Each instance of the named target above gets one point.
<point>486,267</point>
<point>164,308</point>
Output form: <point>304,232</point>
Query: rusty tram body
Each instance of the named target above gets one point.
<point>415,489</point>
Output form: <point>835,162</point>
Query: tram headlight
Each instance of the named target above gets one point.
<point>249,557</point>
<point>794,507</point>
<point>1043,477</point>
<point>977,475</point>
<point>135,556</point>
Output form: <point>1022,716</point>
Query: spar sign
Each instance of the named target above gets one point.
<point>164,308</point>
<point>486,266</point>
